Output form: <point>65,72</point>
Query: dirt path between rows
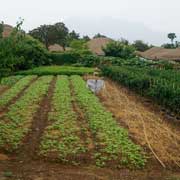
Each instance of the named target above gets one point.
<point>3,89</point>
<point>86,134</point>
<point>31,142</point>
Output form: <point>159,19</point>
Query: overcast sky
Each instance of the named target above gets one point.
<point>149,20</point>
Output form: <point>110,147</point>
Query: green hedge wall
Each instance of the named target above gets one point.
<point>161,85</point>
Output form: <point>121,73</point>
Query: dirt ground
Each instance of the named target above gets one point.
<point>146,127</point>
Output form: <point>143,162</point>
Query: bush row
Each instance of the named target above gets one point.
<point>161,85</point>
<point>57,70</point>
<point>78,58</point>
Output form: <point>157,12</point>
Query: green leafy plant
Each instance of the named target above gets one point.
<point>160,84</point>
<point>62,136</point>
<point>113,143</point>
<point>14,90</point>
<point>16,122</point>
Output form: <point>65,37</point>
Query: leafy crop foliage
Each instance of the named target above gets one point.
<point>13,92</point>
<point>113,142</point>
<point>16,122</point>
<point>57,70</point>
<point>161,85</point>
<point>11,80</point>
<point>62,136</point>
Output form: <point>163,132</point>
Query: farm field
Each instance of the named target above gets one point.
<point>54,126</point>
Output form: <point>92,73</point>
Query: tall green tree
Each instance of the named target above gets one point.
<point>172,36</point>
<point>98,35</point>
<point>86,38</point>
<point>51,34</point>
<point>119,49</point>
<point>73,35</point>
<point>140,45</point>
<point>1,29</point>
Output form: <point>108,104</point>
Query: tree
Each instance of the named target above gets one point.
<point>124,41</point>
<point>86,38</point>
<point>140,45</point>
<point>118,49</point>
<point>172,36</point>
<point>20,51</point>
<point>1,29</point>
<point>73,35</point>
<point>78,44</point>
<point>99,36</point>
<point>168,46</point>
<point>51,34</point>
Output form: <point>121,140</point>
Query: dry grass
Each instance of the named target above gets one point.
<point>145,126</point>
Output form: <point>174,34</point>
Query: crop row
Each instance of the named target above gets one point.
<point>15,124</point>
<point>11,80</point>
<point>113,143</point>
<point>161,85</point>
<point>62,136</point>
<point>14,90</point>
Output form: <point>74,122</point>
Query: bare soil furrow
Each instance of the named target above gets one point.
<point>86,134</point>
<point>31,141</point>
<point>3,89</point>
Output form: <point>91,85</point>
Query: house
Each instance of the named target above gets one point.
<point>95,45</point>
<point>7,30</point>
<point>159,53</point>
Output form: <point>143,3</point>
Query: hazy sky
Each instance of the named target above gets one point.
<point>150,20</point>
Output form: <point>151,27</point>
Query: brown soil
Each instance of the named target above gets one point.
<point>40,170</point>
<point>32,140</point>
<point>3,89</point>
<point>146,124</point>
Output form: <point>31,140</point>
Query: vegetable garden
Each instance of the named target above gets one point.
<point>65,138</point>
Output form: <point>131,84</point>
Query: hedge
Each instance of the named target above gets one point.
<point>161,85</point>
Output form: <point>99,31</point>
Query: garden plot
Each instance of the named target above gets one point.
<point>59,118</point>
<point>16,122</point>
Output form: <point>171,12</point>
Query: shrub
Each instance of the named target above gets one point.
<point>69,57</point>
<point>161,85</point>
<point>19,51</point>
<point>80,57</point>
<point>119,49</point>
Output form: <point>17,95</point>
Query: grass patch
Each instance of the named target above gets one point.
<point>57,70</point>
